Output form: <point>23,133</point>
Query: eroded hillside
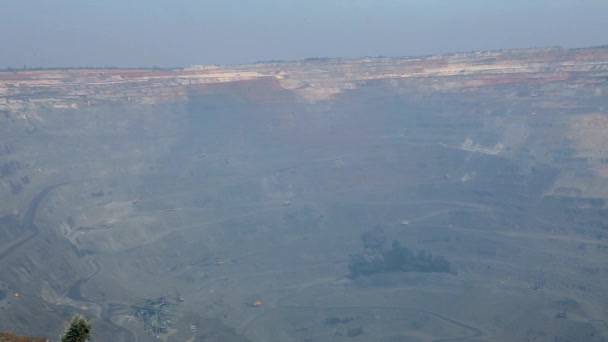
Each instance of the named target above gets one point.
<point>216,186</point>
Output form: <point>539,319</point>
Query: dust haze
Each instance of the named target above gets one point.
<point>440,197</point>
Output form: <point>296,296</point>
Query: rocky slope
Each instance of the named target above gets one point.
<point>551,83</point>
<point>103,172</point>
<point>313,79</point>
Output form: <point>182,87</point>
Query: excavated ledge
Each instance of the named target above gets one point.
<point>220,186</point>
<point>314,80</point>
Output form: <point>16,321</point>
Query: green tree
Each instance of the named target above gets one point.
<point>79,330</point>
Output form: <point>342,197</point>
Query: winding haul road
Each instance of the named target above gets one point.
<point>28,220</point>
<point>74,291</point>
<point>75,294</point>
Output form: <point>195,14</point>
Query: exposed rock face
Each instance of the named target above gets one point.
<point>551,84</point>
<point>314,80</point>
<point>103,172</point>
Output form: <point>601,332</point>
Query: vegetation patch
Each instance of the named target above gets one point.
<point>378,259</point>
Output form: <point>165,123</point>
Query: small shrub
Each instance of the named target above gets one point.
<point>78,330</point>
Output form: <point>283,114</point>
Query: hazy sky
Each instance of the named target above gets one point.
<point>184,32</point>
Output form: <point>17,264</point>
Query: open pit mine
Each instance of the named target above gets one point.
<point>228,203</point>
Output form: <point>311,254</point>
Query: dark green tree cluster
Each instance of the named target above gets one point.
<point>378,259</point>
<point>78,330</point>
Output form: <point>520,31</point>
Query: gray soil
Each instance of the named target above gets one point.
<point>227,200</point>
